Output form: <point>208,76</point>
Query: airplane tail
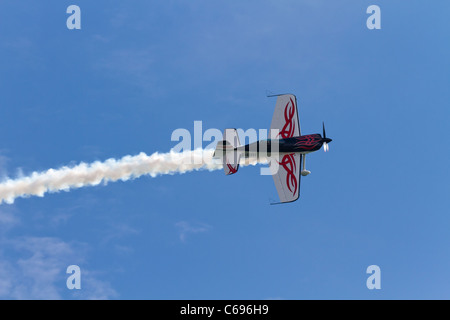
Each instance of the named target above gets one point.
<point>227,151</point>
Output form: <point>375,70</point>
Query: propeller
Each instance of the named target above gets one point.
<point>325,139</point>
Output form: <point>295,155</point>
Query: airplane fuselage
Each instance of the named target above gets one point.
<point>301,144</point>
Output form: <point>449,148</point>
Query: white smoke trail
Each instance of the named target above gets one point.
<point>129,167</point>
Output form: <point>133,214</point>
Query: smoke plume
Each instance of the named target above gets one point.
<point>126,168</point>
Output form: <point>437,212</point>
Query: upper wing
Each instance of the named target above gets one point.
<point>285,117</point>
<point>286,176</point>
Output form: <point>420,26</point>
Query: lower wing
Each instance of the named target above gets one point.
<point>286,175</point>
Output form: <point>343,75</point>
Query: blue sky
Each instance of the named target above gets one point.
<point>138,70</point>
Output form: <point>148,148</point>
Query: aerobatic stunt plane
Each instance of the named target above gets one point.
<point>286,149</point>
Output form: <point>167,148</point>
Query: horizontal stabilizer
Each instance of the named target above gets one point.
<point>227,151</point>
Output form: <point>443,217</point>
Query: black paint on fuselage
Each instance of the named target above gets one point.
<point>303,144</point>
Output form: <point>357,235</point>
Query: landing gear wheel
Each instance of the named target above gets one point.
<point>305,172</point>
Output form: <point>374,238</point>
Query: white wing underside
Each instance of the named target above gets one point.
<point>286,168</point>
<point>286,175</point>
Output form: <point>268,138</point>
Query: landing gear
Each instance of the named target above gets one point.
<point>304,171</point>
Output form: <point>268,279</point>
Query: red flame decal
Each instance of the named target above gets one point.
<point>308,142</point>
<point>288,163</point>
<point>230,167</point>
<point>289,126</point>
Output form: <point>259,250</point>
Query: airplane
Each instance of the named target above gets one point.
<point>286,149</point>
